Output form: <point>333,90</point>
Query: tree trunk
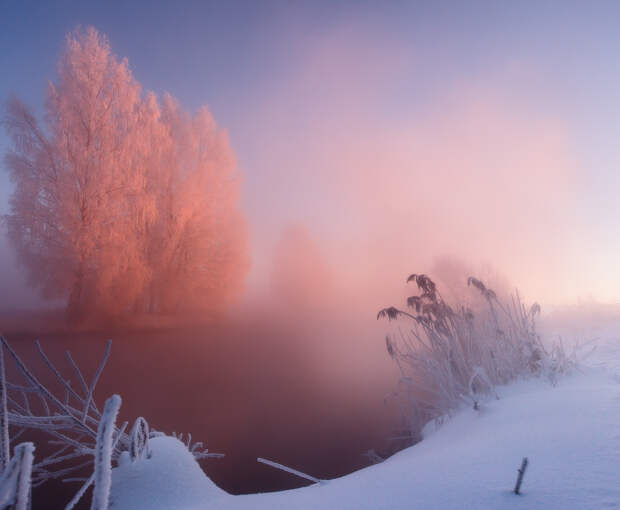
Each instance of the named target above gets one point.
<point>75,305</point>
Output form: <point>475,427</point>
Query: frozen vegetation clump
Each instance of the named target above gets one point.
<point>450,354</point>
<point>81,436</point>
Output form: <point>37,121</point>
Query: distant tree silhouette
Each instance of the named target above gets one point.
<point>122,205</point>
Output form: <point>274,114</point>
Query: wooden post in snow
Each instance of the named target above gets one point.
<point>520,475</point>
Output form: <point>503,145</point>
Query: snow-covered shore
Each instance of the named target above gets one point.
<point>569,432</point>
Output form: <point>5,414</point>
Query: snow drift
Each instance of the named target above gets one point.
<point>570,432</point>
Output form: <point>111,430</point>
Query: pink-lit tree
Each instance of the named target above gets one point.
<point>121,205</point>
<point>199,238</point>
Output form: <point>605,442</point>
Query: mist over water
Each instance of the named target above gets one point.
<point>301,390</point>
<point>297,373</point>
<point>365,151</point>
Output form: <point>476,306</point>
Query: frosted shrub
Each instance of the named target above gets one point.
<point>451,354</point>
<point>83,436</point>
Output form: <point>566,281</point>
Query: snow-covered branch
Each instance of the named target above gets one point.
<point>16,479</point>
<point>103,454</point>
<point>82,436</point>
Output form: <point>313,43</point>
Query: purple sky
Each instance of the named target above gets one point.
<point>368,121</point>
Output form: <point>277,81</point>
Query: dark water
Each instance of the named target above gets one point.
<point>307,394</point>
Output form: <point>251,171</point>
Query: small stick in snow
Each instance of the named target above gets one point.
<point>74,501</point>
<point>520,475</point>
<point>290,470</point>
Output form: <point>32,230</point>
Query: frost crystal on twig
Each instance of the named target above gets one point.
<point>103,454</point>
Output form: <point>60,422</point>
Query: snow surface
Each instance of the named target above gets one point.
<point>569,432</point>
<point>170,479</point>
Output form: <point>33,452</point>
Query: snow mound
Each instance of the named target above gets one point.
<point>569,432</point>
<point>169,480</point>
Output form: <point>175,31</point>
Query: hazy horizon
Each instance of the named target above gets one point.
<point>393,135</point>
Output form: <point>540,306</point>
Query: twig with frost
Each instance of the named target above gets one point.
<point>15,479</point>
<point>71,420</point>
<point>206,454</point>
<point>91,388</point>
<point>290,470</point>
<point>63,407</point>
<point>5,455</point>
<point>89,481</point>
<point>196,449</point>
<point>103,454</point>
<point>139,440</point>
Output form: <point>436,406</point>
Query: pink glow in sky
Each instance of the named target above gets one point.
<point>480,179</point>
<point>392,134</point>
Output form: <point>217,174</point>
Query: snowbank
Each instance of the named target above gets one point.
<point>170,479</point>
<point>570,433</point>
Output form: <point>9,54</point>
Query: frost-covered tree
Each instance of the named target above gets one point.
<point>122,205</point>
<point>198,245</point>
